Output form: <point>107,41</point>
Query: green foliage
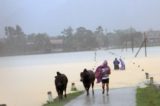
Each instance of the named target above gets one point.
<point>148,96</point>
<point>68,31</point>
<point>70,96</point>
<point>123,32</point>
<point>17,43</point>
<point>1,48</point>
<point>91,43</point>
<point>19,31</point>
<point>99,29</point>
<point>39,42</point>
<point>74,89</point>
<point>120,37</point>
<point>10,31</point>
<point>83,39</point>
<point>16,40</point>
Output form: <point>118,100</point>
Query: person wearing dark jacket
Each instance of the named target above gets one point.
<point>116,64</point>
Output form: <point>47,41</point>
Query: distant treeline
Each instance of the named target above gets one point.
<point>18,43</point>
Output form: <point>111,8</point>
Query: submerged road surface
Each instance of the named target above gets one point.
<point>117,97</point>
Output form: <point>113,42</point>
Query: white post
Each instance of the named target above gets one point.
<point>147,75</point>
<point>73,88</point>
<point>50,98</point>
<point>151,80</point>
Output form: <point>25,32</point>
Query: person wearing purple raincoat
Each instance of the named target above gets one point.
<point>122,64</point>
<point>102,75</point>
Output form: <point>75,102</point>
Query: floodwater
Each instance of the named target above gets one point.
<point>25,80</point>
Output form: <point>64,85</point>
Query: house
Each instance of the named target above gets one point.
<point>153,35</point>
<point>57,44</point>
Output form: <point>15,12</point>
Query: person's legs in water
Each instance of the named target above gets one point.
<point>114,67</point>
<point>118,67</point>
<point>107,88</point>
<point>122,68</point>
<point>103,88</point>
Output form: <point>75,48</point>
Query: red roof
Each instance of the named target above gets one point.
<point>58,41</point>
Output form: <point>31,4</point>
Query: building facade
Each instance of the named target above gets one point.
<point>152,35</point>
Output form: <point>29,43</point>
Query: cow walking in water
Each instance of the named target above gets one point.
<point>61,84</point>
<point>88,77</point>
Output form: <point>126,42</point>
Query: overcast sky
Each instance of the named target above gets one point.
<point>52,16</point>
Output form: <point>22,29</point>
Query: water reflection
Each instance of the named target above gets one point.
<point>108,97</point>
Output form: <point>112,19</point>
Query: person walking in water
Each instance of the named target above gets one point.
<point>102,74</point>
<point>116,64</point>
<point>122,64</point>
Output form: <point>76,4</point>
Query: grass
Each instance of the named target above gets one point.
<point>148,96</point>
<point>70,96</point>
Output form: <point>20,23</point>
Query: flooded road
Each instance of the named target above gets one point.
<point>25,80</point>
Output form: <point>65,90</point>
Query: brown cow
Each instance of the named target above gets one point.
<point>3,105</point>
<point>61,84</point>
<point>88,77</point>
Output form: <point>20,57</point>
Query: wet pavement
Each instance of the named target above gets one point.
<point>117,97</point>
<point>158,86</point>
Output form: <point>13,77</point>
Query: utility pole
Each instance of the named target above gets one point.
<point>145,45</point>
<point>132,41</point>
<point>106,32</point>
<point>107,39</point>
<point>126,45</point>
<point>140,47</point>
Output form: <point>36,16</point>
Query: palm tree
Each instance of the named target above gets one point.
<point>99,29</point>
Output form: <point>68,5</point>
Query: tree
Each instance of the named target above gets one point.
<point>12,32</point>
<point>123,32</point>
<point>31,38</point>
<point>113,39</point>
<point>91,43</point>
<point>88,33</point>
<point>21,39</point>
<point>106,41</point>
<point>80,34</point>
<point>59,37</point>
<point>137,38</point>
<point>68,31</point>
<point>99,29</point>
<point>16,40</point>
<point>1,48</point>
<point>6,31</point>
<point>42,43</point>
<point>81,31</point>
<point>19,31</point>
<point>124,35</point>
<point>30,42</point>
<point>69,43</point>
